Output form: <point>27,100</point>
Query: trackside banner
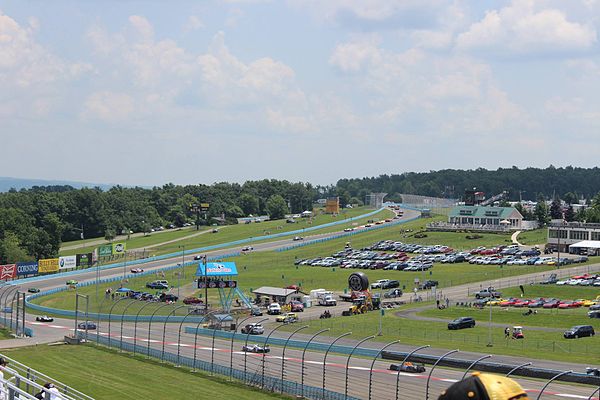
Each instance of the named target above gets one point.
<point>84,260</point>
<point>48,265</point>
<point>27,268</point>
<point>8,271</point>
<point>67,262</point>
<point>217,269</point>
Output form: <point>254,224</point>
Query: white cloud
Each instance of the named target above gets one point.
<point>142,27</point>
<point>352,56</point>
<point>108,106</point>
<point>520,29</point>
<point>193,23</point>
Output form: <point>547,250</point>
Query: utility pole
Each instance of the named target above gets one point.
<point>205,286</point>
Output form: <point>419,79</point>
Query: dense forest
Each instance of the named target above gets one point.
<point>34,222</point>
<point>525,184</point>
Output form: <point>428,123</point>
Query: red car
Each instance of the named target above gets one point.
<point>551,304</point>
<point>296,306</point>
<point>192,300</point>
<point>508,303</point>
<point>568,304</point>
<point>522,303</point>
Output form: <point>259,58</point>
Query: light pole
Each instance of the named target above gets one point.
<point>490,343</point>
<point>183,259</point>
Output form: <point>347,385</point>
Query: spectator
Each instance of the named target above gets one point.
<point>52,392</point>
<point>484,387</point>
<point>506,332</point>
<point>447,302</point>
<point>3,388</point>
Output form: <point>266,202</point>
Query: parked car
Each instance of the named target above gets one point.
<point>89,325</point>
<point>297,306</point>
<point>253,329</point>
<point>44,318</point>
<point>168,297</point>
<point>255,312</point>
<point>579,331</point>
<point>192,300</point>
<point>461,323</point>
<point>287,318</point>
<point>487,293</point>
<point>392,293</point>
<point>254,348</point>
<point>428,284</point>
<point>274,309</point>
<point>594,314</point>
<point>158,285</point>
<point>408,367</point>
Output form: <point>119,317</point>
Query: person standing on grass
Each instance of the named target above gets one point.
<point>506,332</point>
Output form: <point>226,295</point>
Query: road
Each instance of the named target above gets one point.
<point>412,385</point>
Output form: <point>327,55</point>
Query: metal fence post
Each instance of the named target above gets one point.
<point>348,362</point>
<point>593,393</point>
<point>265,344</point>
<point>302,363</point>
<point>283,354</point>
<point>473,364</point>
<point>373,363</point>
<point>179,335</point>
<point>212,348</point>
<point>135,324</point>
<point>404,361</point>
<point>122,318</point>
<point>150,326</point>
<point>231,345</point>
<point>98,324</point>
<point>433,367</point>
<point>109,317</point>
<point>517,367</point>
<point>246,344</point>
<point>162,354</point>
<point>550,381</point>
<point>325,358</point>
<point>203,320</point>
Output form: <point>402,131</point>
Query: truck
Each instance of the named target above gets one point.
<point>489,292</point>
<point>326,299</point>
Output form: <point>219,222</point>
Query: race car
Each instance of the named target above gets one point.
<point>72,282</point>
<point>254,348</point>
<point>44,318</point>
<point>408,367</point>
<point>136,270</point>
<point>33,290</point>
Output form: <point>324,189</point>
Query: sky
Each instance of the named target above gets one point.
<point>150,92</point>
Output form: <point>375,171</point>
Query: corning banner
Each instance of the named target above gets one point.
<point>8,271</point>
<point>27,268</point>
<point>48,265</point>
<point>105,251</point>
<point>84,260</point>
<point>217,269</point>
<point>67,262</point>
<point>118,248</point>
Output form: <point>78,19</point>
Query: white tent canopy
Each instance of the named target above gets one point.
<point>587,244</point>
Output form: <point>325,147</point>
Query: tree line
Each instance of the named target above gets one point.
<point>34,222</point>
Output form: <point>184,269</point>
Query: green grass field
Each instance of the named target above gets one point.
<point>278,269</point>
<point>537,344</point>
<point>106,374</point>
<point>231,233</point>
<point>537,236</point>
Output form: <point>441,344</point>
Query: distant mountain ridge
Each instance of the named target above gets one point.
<point>7,183</point>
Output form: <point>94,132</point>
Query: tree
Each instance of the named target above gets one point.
<point>277,207</point>
<point>570,198</point>
<point>556,209</point>
<point>570,214</point>
<point>356,200</point>
<point>248,203</point>
<point>541,212</point>
<point>11,250</point>
<point>110,234</point>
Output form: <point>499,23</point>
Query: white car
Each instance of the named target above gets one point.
<point>274,309</point>
<point>379,283</point>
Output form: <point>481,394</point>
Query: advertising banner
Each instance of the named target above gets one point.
<point>27,268</point>
<point>8,271</point>
<point>48,265</point>
<point>118,248</point>
<point>217,269</point>
<point>105,251</point>
<point>67,262</point>
<point>84,260</point>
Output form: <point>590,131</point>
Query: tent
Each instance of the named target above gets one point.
<point>123,290</point>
